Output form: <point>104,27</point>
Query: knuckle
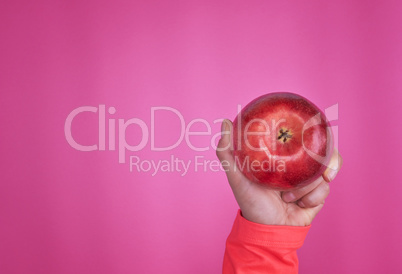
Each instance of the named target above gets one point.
<point>221,145</point>
<point>325,188</point>
<point>318,197</point>
<point>310,201</point>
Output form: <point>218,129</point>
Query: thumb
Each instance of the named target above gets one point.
<point>223,151</point>
<point>236,179</point>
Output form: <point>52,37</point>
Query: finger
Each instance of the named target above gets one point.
<point>316,197</point>
<point>335,164</point>
<point>294,195</point>
<point>224,153</point>
<point>313,211</point>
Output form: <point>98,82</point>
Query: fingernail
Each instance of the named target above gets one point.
<point>332,174</point>
<point>301,204</point>
<point>334,167</point>
<point>223,127</point>
<point>288,197</point>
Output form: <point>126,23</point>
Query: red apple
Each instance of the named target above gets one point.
<point>282,140</point>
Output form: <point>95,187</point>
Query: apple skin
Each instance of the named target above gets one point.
<point>290,149</point>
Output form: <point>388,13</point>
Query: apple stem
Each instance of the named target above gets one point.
<point>284,134</point>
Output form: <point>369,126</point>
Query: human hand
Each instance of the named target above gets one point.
<point>262,205</point>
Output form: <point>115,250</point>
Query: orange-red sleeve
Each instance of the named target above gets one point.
<point>257,248</point>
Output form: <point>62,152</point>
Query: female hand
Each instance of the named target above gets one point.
<point>262,205</point>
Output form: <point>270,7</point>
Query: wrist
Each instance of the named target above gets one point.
<point>258,219</point>
<point>273,235</point>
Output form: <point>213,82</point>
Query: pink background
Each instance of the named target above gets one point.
<point>67,211</point>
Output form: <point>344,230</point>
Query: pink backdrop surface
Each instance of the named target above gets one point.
<point>68,211</point>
